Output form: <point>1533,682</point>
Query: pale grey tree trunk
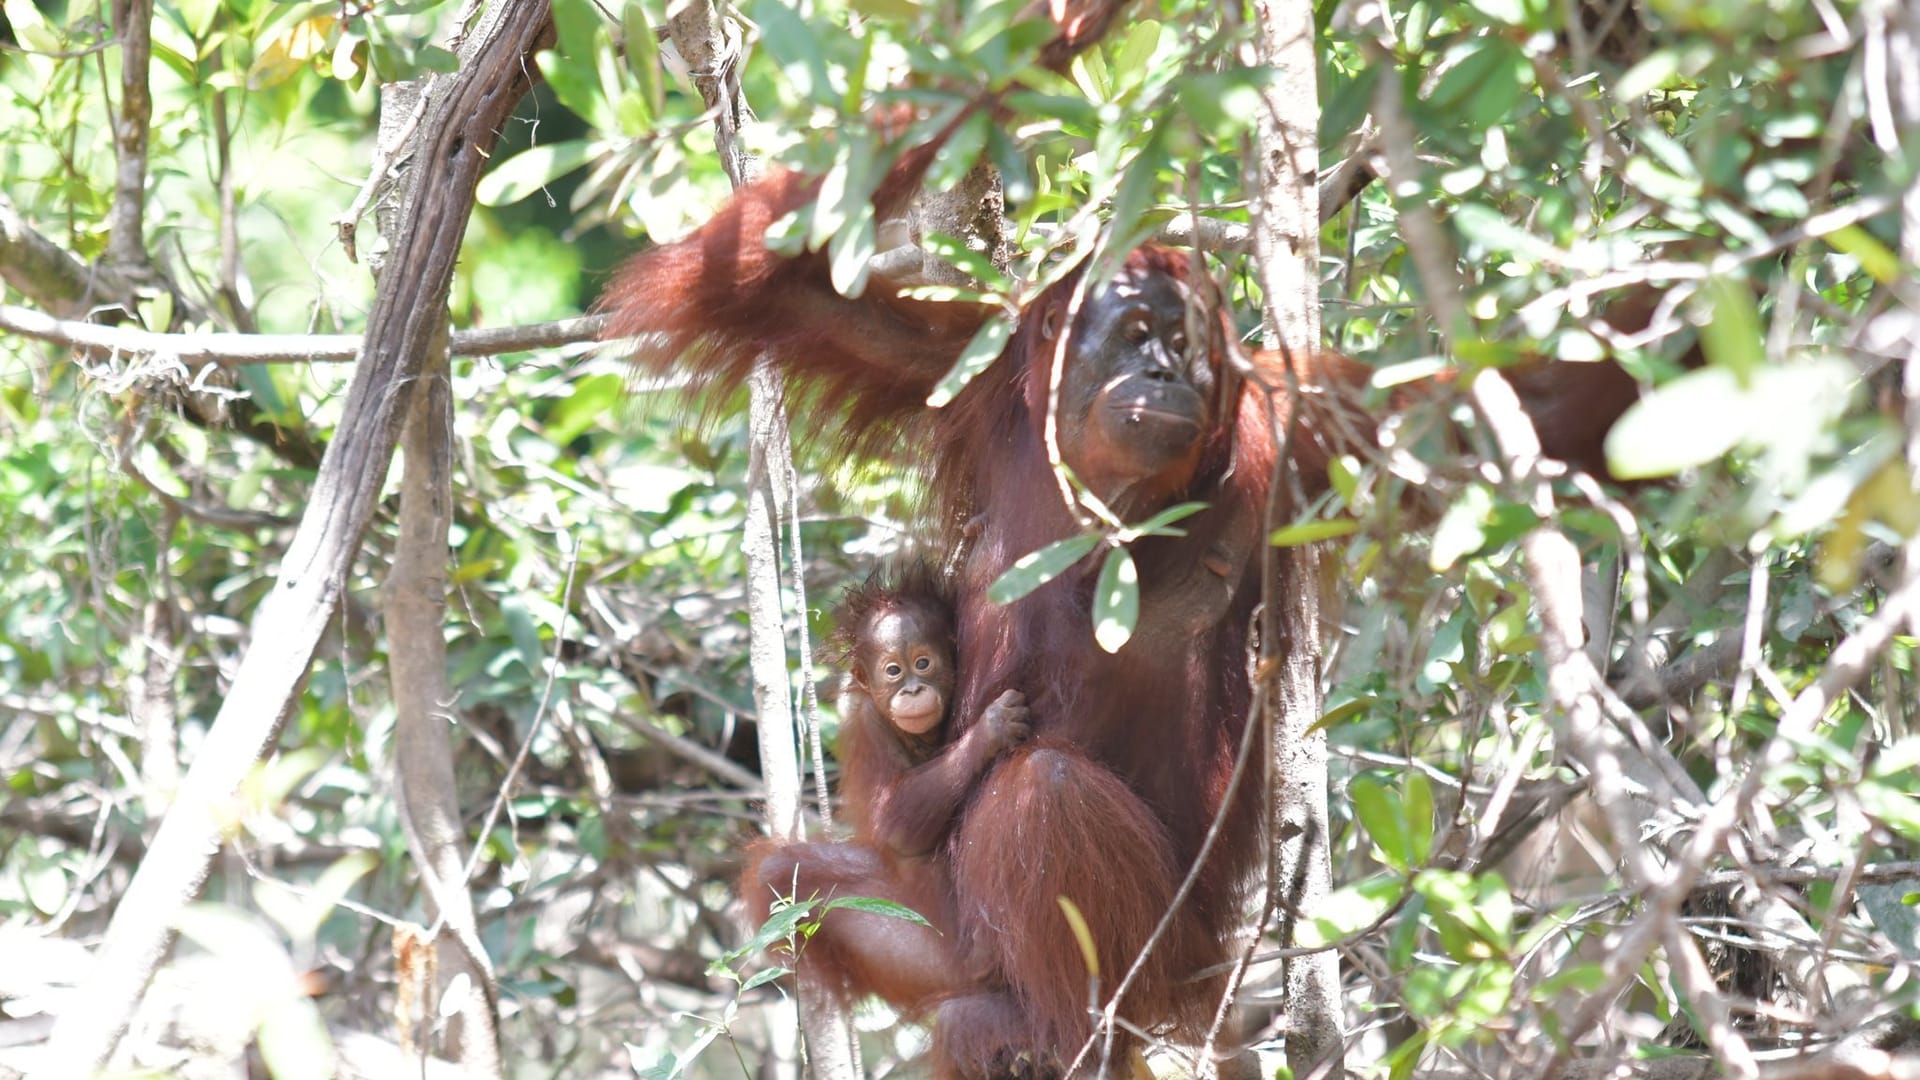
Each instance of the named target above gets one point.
<point>1286,216</point>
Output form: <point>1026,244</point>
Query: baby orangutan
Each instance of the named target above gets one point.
<point>903,780</point>
<point>900,779</point>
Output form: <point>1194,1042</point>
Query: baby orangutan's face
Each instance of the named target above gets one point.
<point>906,667</point>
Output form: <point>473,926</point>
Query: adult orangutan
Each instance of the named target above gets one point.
<point>1109,801</point>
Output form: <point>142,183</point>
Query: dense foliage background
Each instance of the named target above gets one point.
<point>1730,170</point>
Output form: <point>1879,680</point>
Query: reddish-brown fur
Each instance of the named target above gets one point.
<point>1129,764</point>
<point>901,791</point>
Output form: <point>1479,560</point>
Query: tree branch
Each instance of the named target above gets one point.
<point>49,274</point>
<point>238,350</point>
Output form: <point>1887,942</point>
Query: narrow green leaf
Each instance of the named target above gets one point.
<point>1880,264</point>
<point>980,353</point>
<point>976,264</point>
<point>779,926</point>
<point>873,905</point>
<point>1036,568</point>
<point>1138,190</point>
<point>1077,924</point>
<point>1116,601</point>
<point>1157,524</point>
<point>1016,173</point>
<point>850,254</point>
<point>530,170</point>
<point>846,191</point>
<point>763,977</point>
<point>1491,229</point>
<point>643,56</point>
<point>1313,531</point>
<point>1342,711</point>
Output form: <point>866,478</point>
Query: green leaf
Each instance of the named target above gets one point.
<point>1491,229</point>
<point>1223,104</point>
<point>1348,910</point>
<point>1344,103</point>
<point>895,10</point>
<point>850,254</point>
<point>1484,85</point>
<point>1511,12</point>
<point>1341,712</point>
<point>763,977</point>
<point>1379,810</point>
<point>576,24</point>
<point>1643,173</point>
<point>873,905</point>
<point>45,885</point>
<point>1703,414</point>
<point>294,1042</point>
<point>976,264</point>
<point>790,40</point>
<point>980,353</point>
<point>1157,524</point>
<point>1138,189</point>
<point>1689,421</point>
<point>956,156</point>
<point>524,632</point>
<point>1462,529</point>
<point>1419,810</point>
<point>779,926</point>
<point>1896,809</point>
<point>530,170</point>
<point>1732,338</point>
<point>1077,925</point>
<point>643,56</point>
<point>592,397</point>
<point>1134,55</point>
<point>1648,75</point>
<point>846,191</point>
<point>1312,531</point>
<point>575,83</point>
<point>1016,173</point>
<point>1116,601</point>
<point>1880,264</point>
<point>1036,568</point>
